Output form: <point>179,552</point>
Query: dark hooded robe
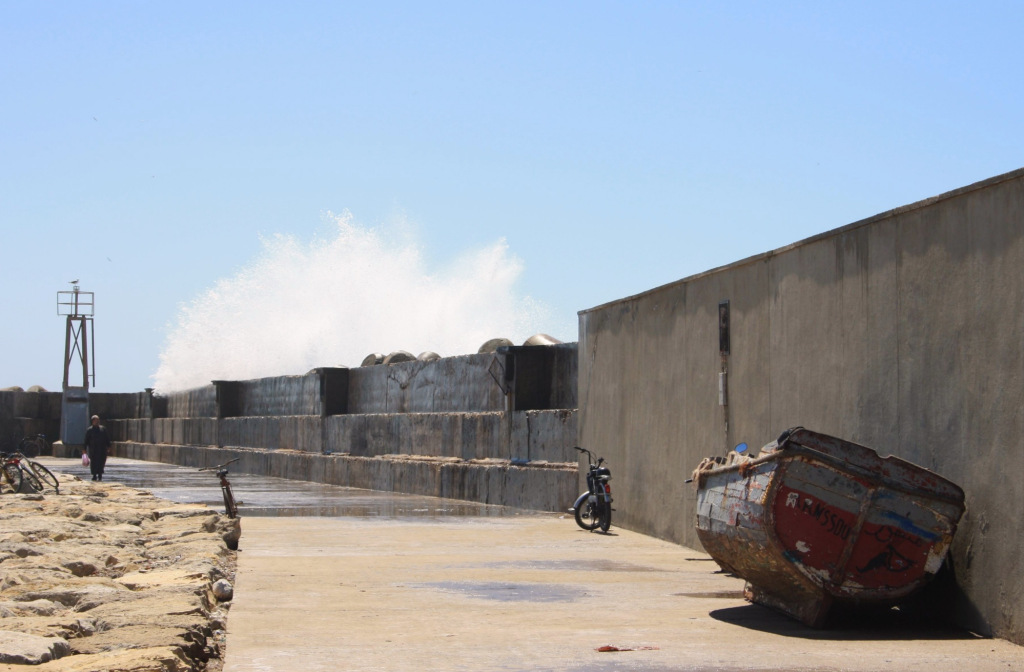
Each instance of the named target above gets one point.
<point>97,442</point>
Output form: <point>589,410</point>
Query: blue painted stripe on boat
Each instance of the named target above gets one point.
<point>907,525</point>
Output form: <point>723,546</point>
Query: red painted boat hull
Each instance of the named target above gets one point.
<point>815,521</point>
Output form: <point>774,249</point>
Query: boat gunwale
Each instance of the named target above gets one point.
<point>798,450</point>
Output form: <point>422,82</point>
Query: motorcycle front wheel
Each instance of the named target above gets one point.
<point>586,513</point>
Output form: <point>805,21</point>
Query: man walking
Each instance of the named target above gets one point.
<point>97,441</point>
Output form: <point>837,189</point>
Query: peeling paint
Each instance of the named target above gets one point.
<point>821,519</point>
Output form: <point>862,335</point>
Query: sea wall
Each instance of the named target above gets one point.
<point>27,414</point>
<point>545,435</point>
<point>494,427</point>
<point>903,332</point>
<point>535,486</point>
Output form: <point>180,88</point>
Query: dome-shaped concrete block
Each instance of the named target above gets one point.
<point>373,359</point>
<point>493,344</point>
<point>399,356</point>
<point>542,339</point>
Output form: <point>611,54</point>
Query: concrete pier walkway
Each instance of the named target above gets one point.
<point>533,592</point>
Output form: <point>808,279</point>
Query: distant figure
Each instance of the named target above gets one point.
<point>97,441</point>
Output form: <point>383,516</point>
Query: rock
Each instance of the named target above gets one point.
<point>223,590</point>
<point>72,511</point>
<point>23,550</point>
<point>81,597</point>
<point>33,607</point>
<point>19,648</point>
<point>232,533</point>
<point>79,568</point>
<point>84,627</point>
<point>125,576</point>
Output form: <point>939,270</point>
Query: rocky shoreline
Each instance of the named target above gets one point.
<point>103,577</point>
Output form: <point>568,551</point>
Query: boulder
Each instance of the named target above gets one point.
<point>223,590</point>
<point>19,648</point>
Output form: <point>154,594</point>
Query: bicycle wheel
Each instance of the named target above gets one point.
<point>28,447</point>
<point>45,475</point>
<point>229,502</point>
<point>11,475</point>
<point>30,477</point>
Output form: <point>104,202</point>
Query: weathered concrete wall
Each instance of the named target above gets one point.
<point>464,435</point>
<point>117,405</point>
<point>426,434</point>
<point>544,435</point>
<point>529,436</point>
<point>27,414</point>
<point>451,384</point>
<point>198,403</point>
<point>904,332</point>
<point>39,405</point>
<point>541,377</point>
<point>541,487</point>
<point>276,396</point>
<point>464,384</point>
<point>30,413</point>
<point>296,432</point>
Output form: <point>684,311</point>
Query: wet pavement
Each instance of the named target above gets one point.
<point>278,497</point>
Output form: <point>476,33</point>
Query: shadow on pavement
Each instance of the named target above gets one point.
<point>869,625</point>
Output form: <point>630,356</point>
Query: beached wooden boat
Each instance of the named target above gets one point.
<point>814,521</point>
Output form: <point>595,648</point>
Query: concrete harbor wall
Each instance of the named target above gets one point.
<point>496,427</point>
<point>537,486</point>
<point>903,332</point>
<point>27,414</point>
<point>520,436</point>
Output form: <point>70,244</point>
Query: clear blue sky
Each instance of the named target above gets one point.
<point>148,148</point>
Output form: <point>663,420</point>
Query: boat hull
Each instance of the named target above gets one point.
<point>815,521</point>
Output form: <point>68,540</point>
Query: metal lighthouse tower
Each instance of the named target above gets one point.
<point>78,308</point>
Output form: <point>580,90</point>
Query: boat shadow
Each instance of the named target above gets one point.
<point>875,625</point>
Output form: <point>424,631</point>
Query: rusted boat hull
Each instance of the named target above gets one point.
<point>814,521</point>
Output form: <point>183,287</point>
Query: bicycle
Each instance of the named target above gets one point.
<point>230,506</point>
<point>45,476</point>
<point>33,446</point>
<point>10,474</point>
<point>18,469</point>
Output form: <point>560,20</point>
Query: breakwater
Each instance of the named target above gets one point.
<point>496,428</point>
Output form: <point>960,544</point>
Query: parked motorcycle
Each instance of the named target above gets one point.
<point>593,508</point>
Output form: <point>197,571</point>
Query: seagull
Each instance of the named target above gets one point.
<point>73,282</point>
